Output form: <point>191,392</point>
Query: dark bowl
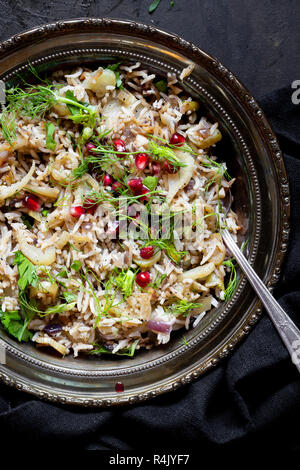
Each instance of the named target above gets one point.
<point>261,199</point>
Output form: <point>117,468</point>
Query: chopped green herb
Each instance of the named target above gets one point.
<point>63,273</point>
<point>35,100</point>
<point>122,352</point>
<point>58,309</point>
<point>50,142</point>
<point>162,86</point>
<point>8,125</point>
<point>184,342</point>
<point>124,281</point>
<point>233,280</point>
<point>153,6</point>
<point>183,307</point>
<point>69,297</point>
<point>157,281</point>
<point>114,68</point>
<point>45,212</point>
<point>168,246</point>
<point>27,271</point>
<point>150,182</point>
<point>15,325</point>
<point>163,152</point>
<point>76,265</point>
<point>27,220</point>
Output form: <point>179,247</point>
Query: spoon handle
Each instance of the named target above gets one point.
<point>286,328</point>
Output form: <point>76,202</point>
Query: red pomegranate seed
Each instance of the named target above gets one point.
<point>156,168</point>
<point>90,147</point>
<point>177,139</point>
<point>144,191</point>
<point>90,206</point>
<point>32,203</point>
<point>119,145</point>
<point>117,186</point>
<point>147,252</point>
<point>107,180</point>
<point>136,185</point>
<point>141,160</point>
<point>119,387</point>
<point>143,278</point>
<point>77,211</point>
<point>169,168</point>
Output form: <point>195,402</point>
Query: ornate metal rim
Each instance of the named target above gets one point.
<point>237,88</point>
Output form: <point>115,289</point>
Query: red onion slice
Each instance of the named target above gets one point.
<point>159,326</point>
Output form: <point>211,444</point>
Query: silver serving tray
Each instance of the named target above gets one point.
<point>261,198</point>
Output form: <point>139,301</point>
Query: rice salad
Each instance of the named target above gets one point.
<point>111,208</point>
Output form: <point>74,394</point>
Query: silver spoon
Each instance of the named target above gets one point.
<point>286,328</point>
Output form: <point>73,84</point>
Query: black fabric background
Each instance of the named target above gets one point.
<point>252,400</point>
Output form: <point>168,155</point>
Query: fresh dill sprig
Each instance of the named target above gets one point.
<point>233,278</point>
<point>101,349</point>
<point>166,143</point>
<point>157,281</point>
<point>164,152</point>
<point>8,125</point>
<point>221,171</point>
<point>182,307</point>
<point>34,101</point>
<point>167,246</point>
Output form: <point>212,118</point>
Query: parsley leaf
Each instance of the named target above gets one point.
<point>14,325</point>
<point>150,182</point>
<point>76,265</point>
<point>27,271</point>
<point>114,68</point>
<point>162,86</point>
<point>50,142</point>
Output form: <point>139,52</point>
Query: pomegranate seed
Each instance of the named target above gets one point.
<point>177,139</point>
<point>119,145</point>
<point>143,279</point>
<point>141,161</point>
<point>90,147</point>
<point>136,185</point>
<point>156,168</point>
<point>144,191</point>
<point>107,180</point>
<point>119,387</point>
<point>32,203</point>
<point>147,252</point>
<point>90,206</point>
<point>77,211</point>
<point>117,186</point>
<point>169,168</point>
